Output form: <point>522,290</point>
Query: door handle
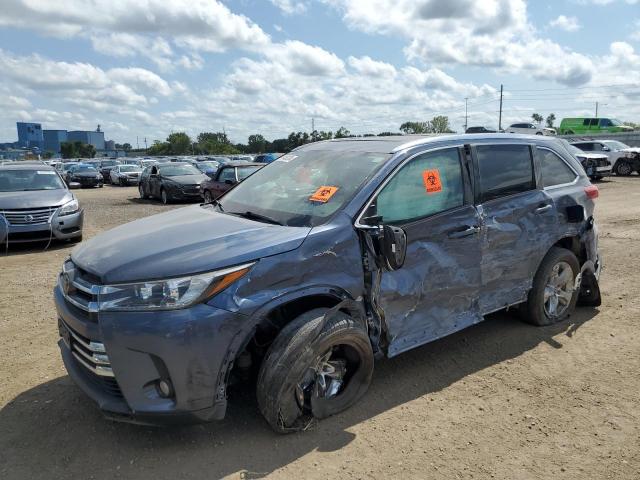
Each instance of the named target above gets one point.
<point>544,208</point>
<point>465,232</point>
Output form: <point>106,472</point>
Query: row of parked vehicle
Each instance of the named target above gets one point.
<point>568,126</point>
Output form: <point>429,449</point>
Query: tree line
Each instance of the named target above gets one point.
<point>218,143</point>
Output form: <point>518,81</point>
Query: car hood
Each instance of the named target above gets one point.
<point>188,179</point>
<point>631,150</point>
<point>182,242</point>
<point>34,199</point>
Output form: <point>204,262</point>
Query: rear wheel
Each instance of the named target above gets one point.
<point>207,196</point>
<point>164,197</point>
<point>623,168</point>
<point>553,296</point>
<point>141,192</point>
<point>314,369</point>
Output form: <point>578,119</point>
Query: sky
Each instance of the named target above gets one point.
<point>142,69</point>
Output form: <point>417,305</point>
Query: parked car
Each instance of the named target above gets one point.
<point>596,165</point>
<point>171,182</point>
<point>530,129</point>
<point>83,175</point>
<point>267,157</point>
<point>479,130</point>
<point>226,178</point>
<point>125,175</point>
<point>208,167</point>
<point>105,169</point>
<point>624,159</point>
<point>36,205</point>
<point>306,270</point>
<point>585,125</point>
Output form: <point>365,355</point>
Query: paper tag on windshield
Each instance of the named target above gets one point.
<point>323,194</point>
<point>432,181</point>
<point>287,158</point>
<point>45,172</point>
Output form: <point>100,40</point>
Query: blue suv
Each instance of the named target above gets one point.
<point>335,254</point>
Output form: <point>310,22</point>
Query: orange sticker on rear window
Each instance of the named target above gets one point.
<point>323,194</point>
<point>432,181</point>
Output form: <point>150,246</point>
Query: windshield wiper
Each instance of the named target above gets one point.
<point>256,216</point>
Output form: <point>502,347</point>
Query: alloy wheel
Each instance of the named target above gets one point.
<point>558,291</point>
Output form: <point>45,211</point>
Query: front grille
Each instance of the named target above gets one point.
<point>80,289</point>
<point>92,356</point>
<point>28,216</point>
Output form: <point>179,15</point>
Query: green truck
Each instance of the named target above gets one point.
<point>571,126</point>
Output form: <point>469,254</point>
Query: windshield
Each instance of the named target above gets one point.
<point>84,168</point>
<point>129,168</point>
<point>574,150</point>
<point>303,188</point>
<point>25,180</point>
<point>616,122</point>
<point>615,145</point>
<point>176,170</point>
<point>204,166</point>
<point>244,172</point>
<point>109,163</point>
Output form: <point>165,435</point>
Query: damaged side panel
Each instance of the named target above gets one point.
<point>434,293</point>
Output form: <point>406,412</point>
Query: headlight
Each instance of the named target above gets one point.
<point>69,208</point>
<point>168,294</point>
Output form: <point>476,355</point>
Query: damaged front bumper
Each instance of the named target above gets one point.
<point>118,360</point>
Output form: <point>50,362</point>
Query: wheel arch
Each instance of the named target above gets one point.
<point>267,322</point>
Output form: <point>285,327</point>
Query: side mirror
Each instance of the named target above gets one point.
<point>74,185</point>
<point>394,246</point>
<point>606,149</point>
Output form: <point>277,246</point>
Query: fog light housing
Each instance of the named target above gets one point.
<point>165,388</point>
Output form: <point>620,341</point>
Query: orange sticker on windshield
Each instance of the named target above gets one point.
<point>323,194</point>
<point>432,181</point>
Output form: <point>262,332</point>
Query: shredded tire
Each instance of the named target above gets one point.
<point>294,352</point>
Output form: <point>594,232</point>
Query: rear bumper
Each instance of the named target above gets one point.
<point>189,347</point>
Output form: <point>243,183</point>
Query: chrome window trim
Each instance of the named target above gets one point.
<point>560,185</point>
<point>380,187</point>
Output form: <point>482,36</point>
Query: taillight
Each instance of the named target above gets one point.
<point>592,192</point>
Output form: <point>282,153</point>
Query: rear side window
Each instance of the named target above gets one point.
<point>553,170</point>
<point>504,170</point>
<point>585,147</point>
<point>429,184</point>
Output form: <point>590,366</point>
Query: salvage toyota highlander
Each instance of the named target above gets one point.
<point>332,255</point>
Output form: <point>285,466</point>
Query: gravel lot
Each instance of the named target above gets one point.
<point>499,400</point>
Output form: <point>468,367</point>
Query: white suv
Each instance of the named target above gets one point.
<point>530,129</point>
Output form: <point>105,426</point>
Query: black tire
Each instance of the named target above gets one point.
<point>122,184</point>
<point>208,198</point>
<point>143,195</point>
<point>539,133</point>
<point>75,239</point>
<point>534,310</point>
<point>100,185</point>
<point>569,132</point>
<point>623,168</point>
<point>164,197</point>
<point>291,359</point>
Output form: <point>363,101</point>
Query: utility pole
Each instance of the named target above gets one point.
<point>466,115</point>
<point>137,143</point>
<point>596,109</point>
<point>145,143</point>
<point>313,124</point>
<point>500,117</point>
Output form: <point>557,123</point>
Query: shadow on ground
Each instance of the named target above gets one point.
<point>54,431</point>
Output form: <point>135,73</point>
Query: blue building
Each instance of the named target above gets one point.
<point>92,138</point>
<point>30,135</point>
<point>53,139</point>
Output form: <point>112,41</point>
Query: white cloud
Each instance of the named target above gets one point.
<point>305,59</point>
<point>290,7</point>
<point>568,24</point>
<point>492,33</point>
<point>125,28</point>
<point>372,68</point>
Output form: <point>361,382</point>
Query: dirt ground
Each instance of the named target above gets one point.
<point>499,400</point>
